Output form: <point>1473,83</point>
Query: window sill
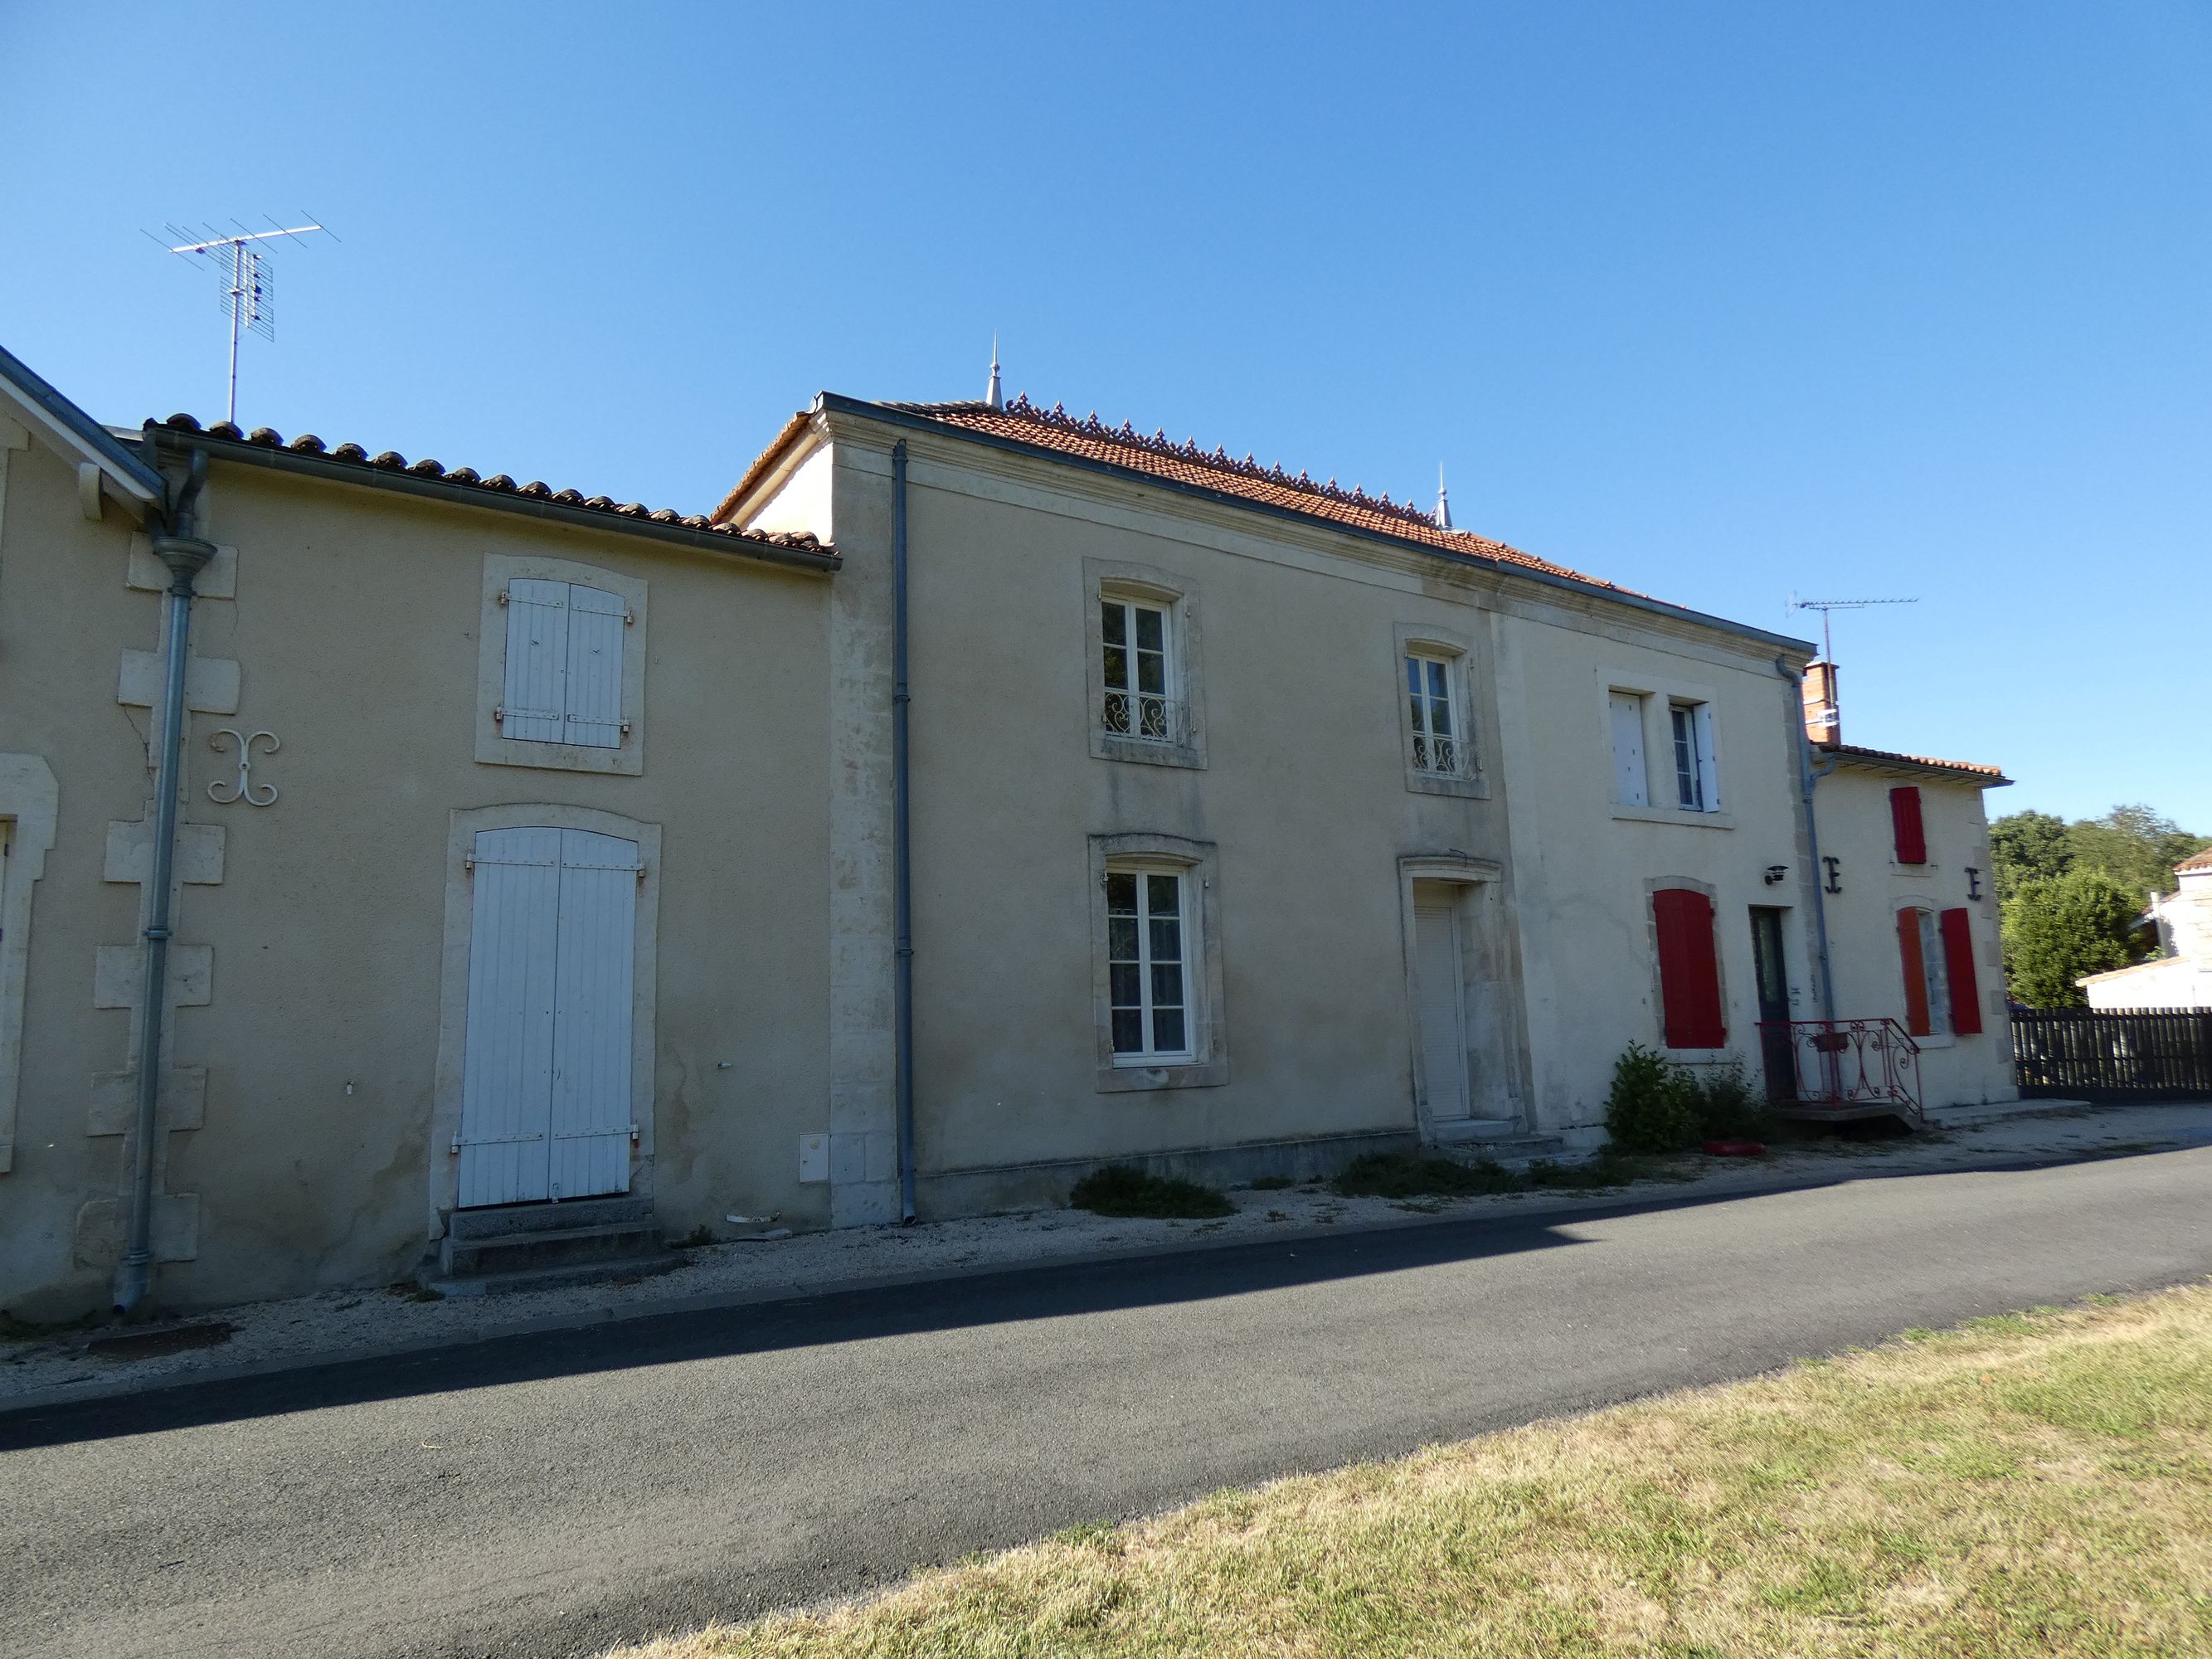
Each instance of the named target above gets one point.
<point>1104,747</point>
<point>1187,1074</point>
<point>1440,783</point>
<point>1897,869</point>
<point>1946,1039</point>
<point>1699,1056</point>
<point>628,760</point>
<point>1674,815</point>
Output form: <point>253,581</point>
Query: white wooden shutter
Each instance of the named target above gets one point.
<point>596,624</point>
<point>1630,787</point>
<point>507,1071</point>
<point>533,701</point>
<point>591,1116</point>
<point>1709,759</point>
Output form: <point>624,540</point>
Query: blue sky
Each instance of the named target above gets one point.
<point>1721,301</point>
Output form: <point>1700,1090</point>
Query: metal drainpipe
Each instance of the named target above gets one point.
<point>902,857</point>
<point>185,555</point>
<point>1807,776</point>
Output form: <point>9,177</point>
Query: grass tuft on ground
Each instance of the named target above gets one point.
<point>2035,1485</point>
<point>1120,1190</point>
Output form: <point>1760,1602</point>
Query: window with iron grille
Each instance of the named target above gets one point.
<point>1148,967</point>
<point>1137,646</point>
<point>1435,725</point>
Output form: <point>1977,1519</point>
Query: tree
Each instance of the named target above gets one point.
<point>2058,928</point>
<point>2134,846</point>
<point>2027,847</point>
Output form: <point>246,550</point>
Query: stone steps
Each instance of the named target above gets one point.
<point>533,1247</point>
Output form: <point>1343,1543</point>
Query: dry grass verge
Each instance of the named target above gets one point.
<point>2034,1485</point>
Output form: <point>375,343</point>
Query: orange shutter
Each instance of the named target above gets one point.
<point>1916,972</point>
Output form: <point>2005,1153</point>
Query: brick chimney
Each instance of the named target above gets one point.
<point>1824,721</point>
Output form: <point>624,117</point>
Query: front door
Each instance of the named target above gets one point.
<point>1441,981</point>
<point>546,1072</point>
<point>1777,1044</point>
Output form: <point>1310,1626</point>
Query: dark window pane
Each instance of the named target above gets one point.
<point>1121,937</point>
<point>1437,682</point>
<point>1440,718</point>
<point>1151,630</point>
<point>1152,718</point>
<point>1167,939</point>
<point>1167,985</point>
<point>1128,1031</point>
<point>1115,623</point>
<point>1117,667</point>
<point>1152,672</point>
<point>1128,980</point>
<point>1161,896</point>
<point>1413,675</point>
<point>1167,1030</point>
<point>1122,892</point>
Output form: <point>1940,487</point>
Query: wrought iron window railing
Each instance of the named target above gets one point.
<point>1439,758</point>
<point>1145,718</point>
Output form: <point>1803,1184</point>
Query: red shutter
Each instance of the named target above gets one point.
<point>1689,972</point>
<point>1916,972</point>
<point>1905,819</point>
<point>1958,968</point>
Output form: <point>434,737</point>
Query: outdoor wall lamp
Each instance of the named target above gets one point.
<point>1775,873</point>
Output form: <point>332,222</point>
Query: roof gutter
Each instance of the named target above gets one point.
<point>837,403</point>
<point>239,452</point>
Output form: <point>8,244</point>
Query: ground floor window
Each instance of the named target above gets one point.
<point>1689,970</point>
<point>1148,969</point>
<point>1935,954</point>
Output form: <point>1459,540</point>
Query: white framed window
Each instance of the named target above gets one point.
<point>1148,964</point>
<point>1439,747</point>
<point>1156,975</point>
<point>560,666</point>
<point>1137,667</point>
<point>1140,629</point>
<point>1632,783</point>
<point>1697,781</point>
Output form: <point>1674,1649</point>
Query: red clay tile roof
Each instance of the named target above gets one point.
<point>498,484</point>
<point>1160,457</point>
<point>1890,756</point>
<point>2195,862</point>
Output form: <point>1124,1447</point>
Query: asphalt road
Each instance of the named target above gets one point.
<point>551,1495</point>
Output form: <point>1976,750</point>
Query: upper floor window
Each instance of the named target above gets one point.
<point>1436,740</point>
<point>564,662</point>
<point>1140,629</point>
<point>560,666</point>
<point>1136,645</point>
<point>1632,785</point>
<point>1908,832</point>
<point>1697,785</point>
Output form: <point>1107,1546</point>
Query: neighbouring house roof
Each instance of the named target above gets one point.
<point>1054,432</point>
<point>351,463</point>
<point>2170,963</point>
<point>75,435</point>
<point>1892,761</point>
<point>2195,862</point>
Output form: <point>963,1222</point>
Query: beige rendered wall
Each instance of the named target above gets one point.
<point>1585,868</point>
<point>1855,830</point>
<point>1303,793</point>
<point>318,921</point>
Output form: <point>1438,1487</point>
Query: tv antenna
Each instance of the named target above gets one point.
<point>1826,606</point>
<point>243,269</point>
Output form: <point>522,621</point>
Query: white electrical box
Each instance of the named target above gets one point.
<point>814,1158</point>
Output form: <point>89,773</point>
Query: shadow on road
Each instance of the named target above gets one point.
<point>1051,1291</point>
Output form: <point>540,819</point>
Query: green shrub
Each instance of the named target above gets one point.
<point>1730,1108</point>
<point>1401,1175</point>
<point>1120,1190</point>
<point>1654,1104</point>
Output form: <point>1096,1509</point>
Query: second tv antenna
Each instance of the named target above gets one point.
<point>243,269</point>
<point>1825,606</point>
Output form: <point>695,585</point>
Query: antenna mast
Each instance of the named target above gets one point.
<point>1825,606</point>
<point>243,270</point>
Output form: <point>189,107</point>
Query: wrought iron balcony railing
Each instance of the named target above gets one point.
<point>1842,1068</point>
<point>1145,718</point>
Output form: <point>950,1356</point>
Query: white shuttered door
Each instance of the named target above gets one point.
<point>545,1077</point>
<point>1443,1005</point>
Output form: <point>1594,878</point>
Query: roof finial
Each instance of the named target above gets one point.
<point>1444,500</point>
<point>994,399</point>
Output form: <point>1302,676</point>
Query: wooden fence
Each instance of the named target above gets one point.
<point>2088,1055</point>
